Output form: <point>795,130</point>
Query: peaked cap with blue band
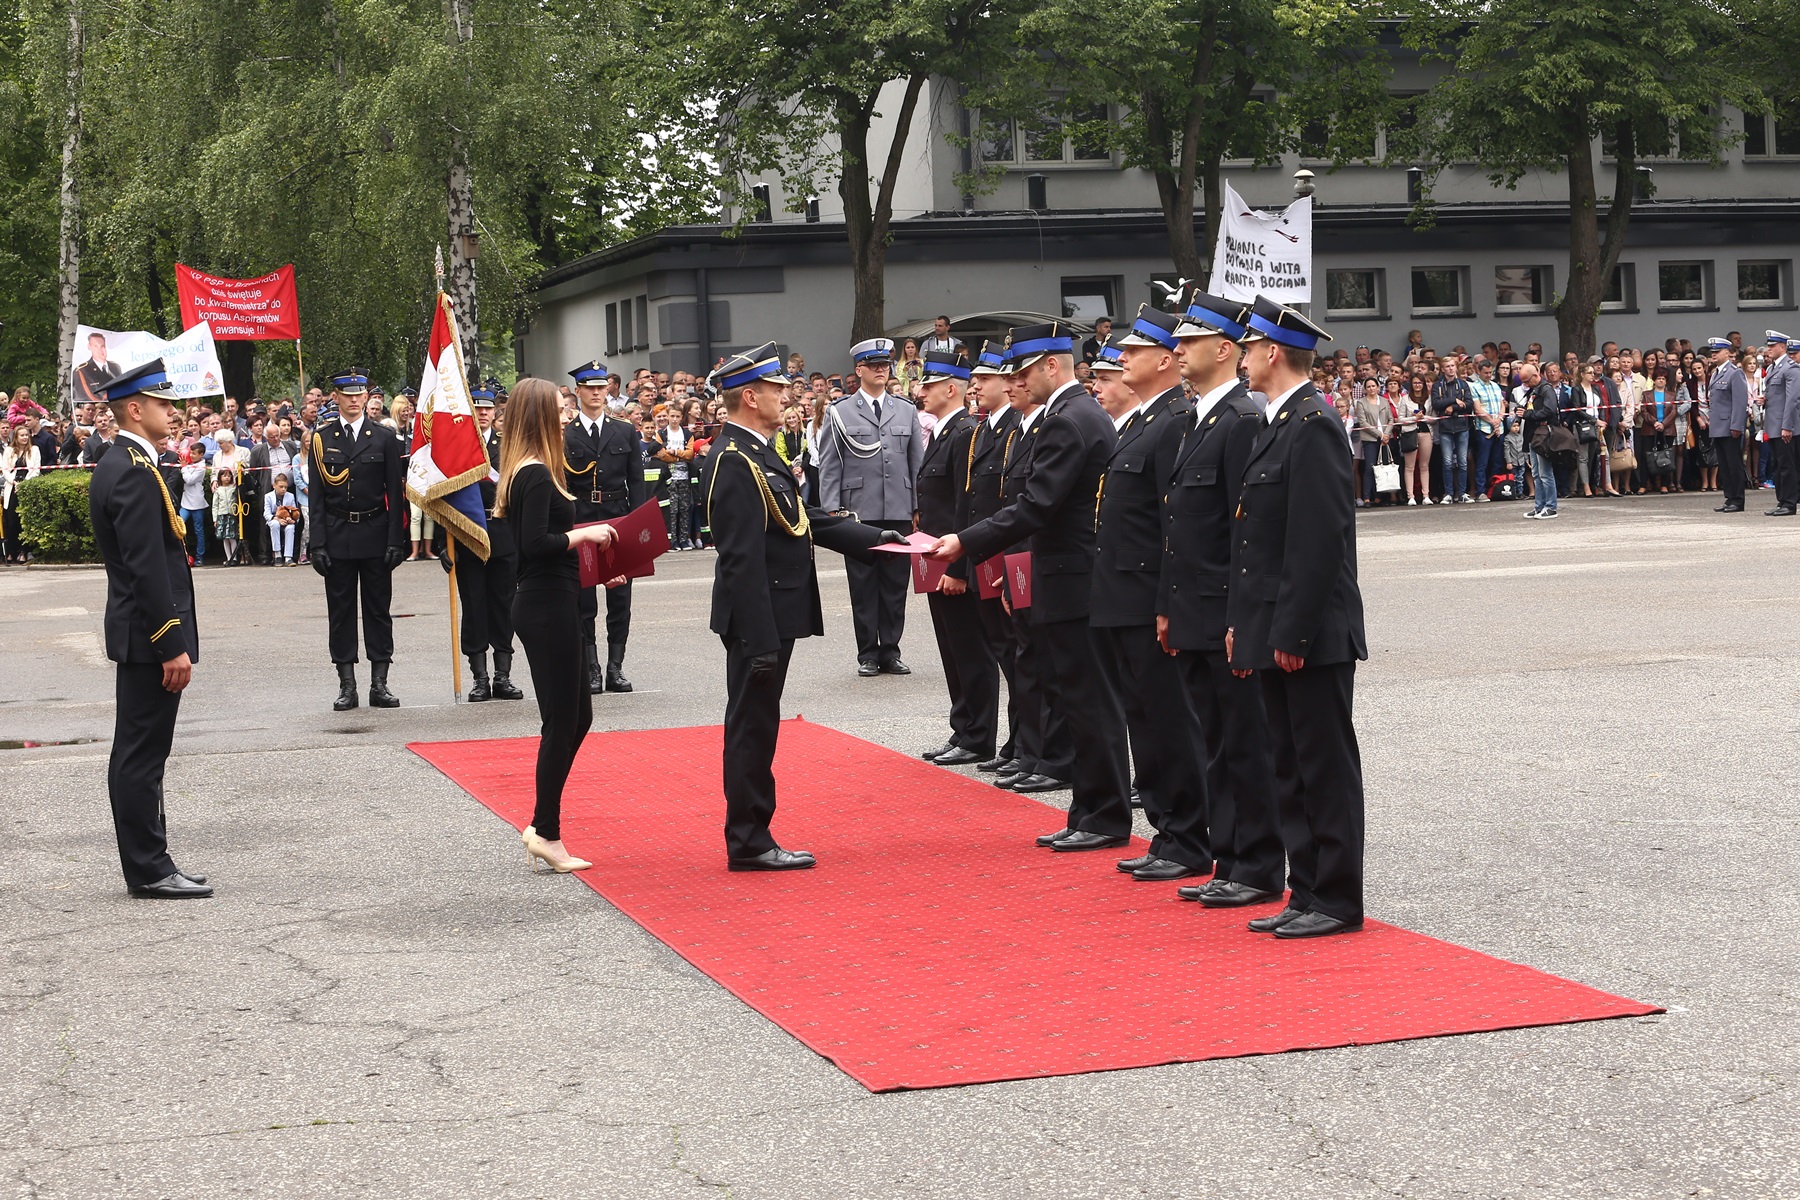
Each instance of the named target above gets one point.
<point>1717,343</point>
<point>353,382</point>
<point>1025,344</point>
<point>1772,338</point>
<point>943,364</point>
<point>481,395</point>
<point>764,362</point>
<point>1283,326</point>
<point>1109,358</point>
<point>875,350</point>
<point>989,362</point>
<point>590,372</point>
<point>1208,314</point>
<point>1152,327</point>
<point>149,379</point>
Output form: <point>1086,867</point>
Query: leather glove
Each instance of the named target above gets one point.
<point>321,562</point>
<point>762,667</point>
<point>443,557</point>
<point>892,537</point>
<point>394,557</point>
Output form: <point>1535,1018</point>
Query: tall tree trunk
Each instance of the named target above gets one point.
<point>868,221</point>
<point>460,226</point>
<point>1591,264</point>
<point>1214,196</point>
<point>153,289</point>
<point>69,198</point>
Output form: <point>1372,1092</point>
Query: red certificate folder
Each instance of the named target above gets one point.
<point>988,577</point>
<point>915,543</point>
<point>926,572</point>
<point>1018,579</point>
<point>643,537</point>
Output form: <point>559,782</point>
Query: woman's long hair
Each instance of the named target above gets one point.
<point>533,431</point>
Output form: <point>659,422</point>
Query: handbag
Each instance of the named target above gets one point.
<point>1659,460</point>
<point>1587,431</point>
<point>1409,441</point>
<point>1709,453</point>
<point>1387,472</point>
<point>1624,459</point>
<point>1560,440</point>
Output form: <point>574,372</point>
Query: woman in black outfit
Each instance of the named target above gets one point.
<point>542,515</point>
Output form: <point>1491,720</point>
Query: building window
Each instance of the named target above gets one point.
<point>1681,285</point>
<point>625,338</point>
<point>1521,289</point>
<point>643,322</point>
<point>1775,134</point>
<point>761,208</point>
<point>1621,290</point>
<point>1087,300</point>
<point>1762,284</point>
<point>1074,139</point>
<point>1354,293</point>
<point>612,329</point>
<point>1321,140</point>
<point>1438,291</point>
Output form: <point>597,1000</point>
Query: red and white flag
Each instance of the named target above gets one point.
<point>448,458</point>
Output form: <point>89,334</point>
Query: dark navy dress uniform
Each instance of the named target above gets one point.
<point>1165,737</point>
<point>606,477</point>
<point>981,498</point>
<point>485,590</point>
<point>765,595</point>
<point>971,672</point>
<point>1294,589</point>
<point>356,535</point>
<point>1070,443</point>
<point>1201,496</point>
<point>149,621</point>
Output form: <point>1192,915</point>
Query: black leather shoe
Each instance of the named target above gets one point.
<point>931,755</point>
<point>1271,924</point>
<point>993,764</point>
<point>190,875</point>
<point>1164,870</point>
<point>1194,891</point>
<point>346,697</point>
<point>1081,839</point>
<point>894,666</point>
<point>1780,510</point>
<point>868,670</point>
<point>1225,894</point>
<point>1002,766</point>
<point>615,679</point>
<point>1008,780</point>
<point>1128,865</point>
<point>956,756</point>
<point>1729,508</point>
<point>1040,783</point>
<point>774,860</point>
<point>1051,838</point>
<point>596,682</point>
<point>1137,798</point>
<point>172,887</point>
<point>1316,924</point>
<point>379,696</point>
<point>503,686</point>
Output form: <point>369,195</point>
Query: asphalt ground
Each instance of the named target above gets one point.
<point>1579,739</point>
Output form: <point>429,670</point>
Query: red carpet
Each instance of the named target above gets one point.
<point>934,945</point>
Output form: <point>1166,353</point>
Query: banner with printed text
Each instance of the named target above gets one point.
<point>243,310</point>
<point>102,355</point>
<point>1263,253</point>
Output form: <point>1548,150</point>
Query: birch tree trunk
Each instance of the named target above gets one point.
<point>461,209</point>
<point>69,197</point>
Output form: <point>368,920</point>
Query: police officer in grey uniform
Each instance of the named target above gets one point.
<point>1727,416</point>
<point>1779,396</point>
<point>869,454</point>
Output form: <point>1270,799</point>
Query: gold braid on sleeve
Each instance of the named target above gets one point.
<point>324,473</point>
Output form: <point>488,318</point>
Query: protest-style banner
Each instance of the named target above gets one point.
<point>1263,253</point>
<point>102,355</point>
<point>261,309</point>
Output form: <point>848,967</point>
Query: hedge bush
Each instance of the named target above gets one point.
<point>53,517</point>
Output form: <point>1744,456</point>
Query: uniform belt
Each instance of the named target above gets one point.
<point>601,496</point>
<point>355,515</point>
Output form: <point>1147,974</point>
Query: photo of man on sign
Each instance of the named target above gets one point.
<point>92,376</point>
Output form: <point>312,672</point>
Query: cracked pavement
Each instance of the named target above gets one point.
<point>1578,742</point>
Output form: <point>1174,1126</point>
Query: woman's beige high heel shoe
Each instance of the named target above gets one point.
<point>558,859</point>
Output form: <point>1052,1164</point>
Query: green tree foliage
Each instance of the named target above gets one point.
<point>1541,84</point>
<point>235,137</point>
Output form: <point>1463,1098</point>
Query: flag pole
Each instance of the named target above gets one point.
<point>300,360</point>
<point>455,649</point>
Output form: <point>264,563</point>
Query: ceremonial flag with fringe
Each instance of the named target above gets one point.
<point>448,458</point>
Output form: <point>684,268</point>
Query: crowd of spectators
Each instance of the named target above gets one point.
<point>1423,428</point>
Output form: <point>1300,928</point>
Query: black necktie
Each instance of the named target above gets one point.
<point>876,405</point>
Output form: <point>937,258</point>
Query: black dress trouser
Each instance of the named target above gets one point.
<point>1787,471</point>
<point>1731,468</point>
<point>752,724</point>
<point>549,629</point>
<point>1240,805</point>
<point>996,628</point>
<point>970,672</point>
<point>343,580</point>
<point>1318,785</point>
<point>486,591</point>
<point>1041,743</point>
<point>1093,722</point>
<point>1165,740</point>
<point>618,616</point>
<point>143,732</point>
<point>878,591</point>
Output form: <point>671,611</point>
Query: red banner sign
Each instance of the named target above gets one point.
<point>261,309</point>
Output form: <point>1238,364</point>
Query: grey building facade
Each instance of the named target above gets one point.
<point>1072,232</point>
